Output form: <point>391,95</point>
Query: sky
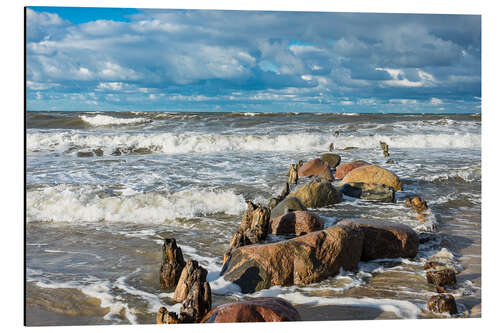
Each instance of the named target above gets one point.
<point>112,59</point>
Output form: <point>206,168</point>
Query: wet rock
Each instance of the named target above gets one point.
<point>442,303</point>
<point>289,204</point>
<point>385,239</point>
<point>316,167</point>
<point>434,265</point>
<point>172,264</point>
<point>141,151</point>
<point>442,277</point>
<point>389,161</point>
<point>344,168</point>
<point>301,260</point>
<point>331,147</point>
<point>116,152</point>
<point>332,159</point>
<point>269,309</point>
<point>370,192</point>
<point>84,154</point>
<point>316,194</point>
<point>350,148</point>
<point>253,228</point>
<point>191,274</point>
<point>418,204</point>
<point>375,175</point>
<point>298,223</point>
<point>98,152</point>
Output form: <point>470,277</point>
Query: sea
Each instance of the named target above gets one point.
<point>104,188</point>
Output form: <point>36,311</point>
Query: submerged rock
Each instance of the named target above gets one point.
<point>332,159</point>
<point>172,264</point>
<point>298,223</point>
<point>385,239</point>
<point>417,204</point>
<point>289,204</point>
<point>269,309</point>
<point>301,260</point>
<point>370,192</point>
<point>316,167</point>
<point>344,168</point>
<point>375,175</point>
<point>442,303</point>
<point>84,154</point>
<point>316,194</point>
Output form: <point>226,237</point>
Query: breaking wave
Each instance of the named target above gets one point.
<point>170,143</point>
<point>84,203</point>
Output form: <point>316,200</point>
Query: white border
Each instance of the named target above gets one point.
<point>12,152</point>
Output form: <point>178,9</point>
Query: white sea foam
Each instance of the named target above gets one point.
<point>170,143</point>
<point>103,120</point>
<point>402,309</point>
<point>66,203</point>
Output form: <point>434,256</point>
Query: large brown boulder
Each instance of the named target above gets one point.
<point>316,167</point>
<point>289,204</point>
<point>266,309</point>
<point>301,260</point>
<point>345,168</point>
<point>441,277</point>
<point>385,239</point>
<point>375,175</point>
<point>316,194</point>
<point>332,159</point>
<point>298,223</point>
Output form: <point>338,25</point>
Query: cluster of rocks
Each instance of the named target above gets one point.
<point>442,274</point>
<point>313,254</point>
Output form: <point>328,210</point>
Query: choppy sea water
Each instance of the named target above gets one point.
<point>94,224</point>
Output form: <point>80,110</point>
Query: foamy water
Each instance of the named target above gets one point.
<point>96,220</point>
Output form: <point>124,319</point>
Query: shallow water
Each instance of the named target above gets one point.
<point>94,224</point>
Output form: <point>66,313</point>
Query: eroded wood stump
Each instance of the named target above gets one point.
<point>172,264</point>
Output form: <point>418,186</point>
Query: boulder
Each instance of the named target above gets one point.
<point>172,264</point>
<point>268,309</point>
<point>298,223</point>
<point>332,159</point>
<point>289,204</point>
<point>344,168</point>
<point>375,175</point>
<point>385,239</point>
<point>442,303</point>
<point>370,192</point>
<point>441,277</point>
<point>316,167</point>
<point>318,194</point>
<point>297,261</point>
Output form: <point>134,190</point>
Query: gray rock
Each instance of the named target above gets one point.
<point>370,192</point>
<point>289,204</point>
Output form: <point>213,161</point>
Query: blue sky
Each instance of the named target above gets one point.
<point>172,60</point>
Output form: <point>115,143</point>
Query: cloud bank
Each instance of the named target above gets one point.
<point>248,60</point>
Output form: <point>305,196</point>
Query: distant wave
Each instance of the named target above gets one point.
<point>169,143</point>
<point>103,120</point>
<point>84,203</point>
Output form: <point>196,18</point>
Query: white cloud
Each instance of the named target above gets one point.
<point>436,101</point>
